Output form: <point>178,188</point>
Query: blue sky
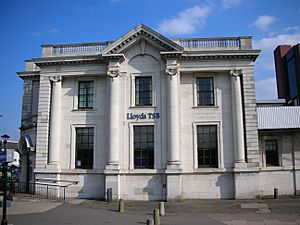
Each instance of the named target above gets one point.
<point>27,24</point>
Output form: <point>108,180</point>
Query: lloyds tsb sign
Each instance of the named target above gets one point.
<point>142,116</point>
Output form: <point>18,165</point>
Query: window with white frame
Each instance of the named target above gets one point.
<point>85,94</point>
<point>84,155</point>
<point>207,145</point>
<point>271,153</point>
<point>143,146</point>
<point>205,91</point>
<point>143,91</point>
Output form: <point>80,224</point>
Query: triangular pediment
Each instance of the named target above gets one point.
<point>140,32</point>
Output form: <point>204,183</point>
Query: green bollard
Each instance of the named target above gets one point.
<point>156,217</point>
<point>150,222</point>
<point>162,209</point>
<point>121,205</point>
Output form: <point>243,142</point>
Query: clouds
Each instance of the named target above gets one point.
<point>264,22</point>
<point>186,22</point>
<point>268,45</point>
<point>191,19</point>
<point>226,4</point>
<point>266,89</point>
<point>51,31</point>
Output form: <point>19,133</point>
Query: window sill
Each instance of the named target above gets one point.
<point>84,110</point>
<point>143,171</point>
<point>205,106</point>
<point>210,170</point>
<point>142,106</point>
<point>82,171</point>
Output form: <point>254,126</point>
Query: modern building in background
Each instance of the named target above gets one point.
<point>287,64</point>
<point>150,117</point>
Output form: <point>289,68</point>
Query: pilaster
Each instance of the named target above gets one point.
<point>55,120</point>
<point>237,118</point>
<point>113,74</point>
<point>172,73</point>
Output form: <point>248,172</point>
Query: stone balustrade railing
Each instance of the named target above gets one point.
<point>73,49</point>
<point>241,43</point>
<point>230,43</point>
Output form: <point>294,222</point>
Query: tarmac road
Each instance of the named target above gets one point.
<point>190,212</point>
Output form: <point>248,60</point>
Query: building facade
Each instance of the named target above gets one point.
<point>150,117</point>
<point>287,65</point>
<point>279,142</point>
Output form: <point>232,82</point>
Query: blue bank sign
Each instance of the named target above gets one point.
<point>142,116</point>
<point>2,156</point>
<point>6,156</point>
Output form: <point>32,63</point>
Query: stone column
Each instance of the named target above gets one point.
<point>113,114</point>
<point>173,112</point>
<point>54,141</point>
<point>237,118</point>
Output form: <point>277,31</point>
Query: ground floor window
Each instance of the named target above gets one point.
<point>84,148</point>
<point>207,146</point>
<point>144,146</point>
<point>271,149</point>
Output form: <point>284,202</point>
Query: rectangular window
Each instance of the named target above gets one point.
<point>85,94</point>
<point>143,91</point>
<point>207,146</point>
<point>144,146</point>
<point>271,149</point>
<point>84,148</point>
<point>205,91</point>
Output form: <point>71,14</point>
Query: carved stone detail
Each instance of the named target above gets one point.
<point>55,79</point>
<point>172,71</point>
<point>113,72</point>
<point>235,72</point>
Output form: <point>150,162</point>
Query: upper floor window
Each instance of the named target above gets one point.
<point>271,150</point>
<point>85,94</point>
<point>84,156</point>
<point>205,91</point>
<point>144,146</point>
<point>143,91</point>
<point>207,146</point>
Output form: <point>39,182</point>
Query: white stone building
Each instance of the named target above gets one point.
<point>150,117</point>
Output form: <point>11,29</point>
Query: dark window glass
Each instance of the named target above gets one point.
<point>143,91</point>
<point>292,75</point>
<point>207,146</point>
<point>205,91</point>
<point>85,94</point>
<point>144,146</point>
<point>84,148</point>
<point>271,149</point>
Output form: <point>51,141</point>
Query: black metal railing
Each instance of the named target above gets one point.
<point>38,190</point>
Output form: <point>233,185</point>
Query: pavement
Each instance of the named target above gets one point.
<point>283,211</point>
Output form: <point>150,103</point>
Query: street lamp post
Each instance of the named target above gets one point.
<point>4,137</point>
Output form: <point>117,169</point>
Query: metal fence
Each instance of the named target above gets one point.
<point>38,190</point>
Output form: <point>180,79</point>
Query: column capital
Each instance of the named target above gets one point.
<point>172,67</point>
<point>235,73</point>
<point>55,79</point>
<point>113,69</point>
<point>113,72</point>
<point>172,71</point>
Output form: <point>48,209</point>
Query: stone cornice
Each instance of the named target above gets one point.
<point>31,74</point>
<point>220,55</point>
<point>114,57</point>
<point>166,55</point>
<point>61,61</point>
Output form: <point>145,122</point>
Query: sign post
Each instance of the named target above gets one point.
<point>3,160</point>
